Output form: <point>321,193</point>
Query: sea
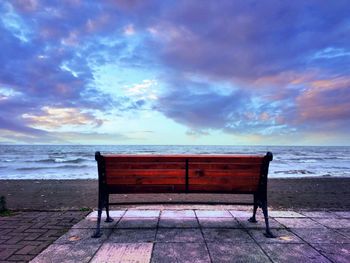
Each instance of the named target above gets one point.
<point>78,162</point>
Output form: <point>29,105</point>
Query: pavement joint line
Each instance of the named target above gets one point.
<point>256,242</point>
<point>205,242</point>
<point>310,245</point>
<point>155,238</point>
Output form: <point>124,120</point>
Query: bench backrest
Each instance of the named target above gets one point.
<point>183,173</point>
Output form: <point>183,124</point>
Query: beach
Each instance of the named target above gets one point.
<point>285,194</point>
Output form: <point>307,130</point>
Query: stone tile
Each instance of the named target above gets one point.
<point>343,214</point>
<point>344,231</point>
<point>260,224</point>
<point>226,235</point>
<point>179,235</point>
<point>131,222</point>
<point>233,252</point>
<point>284,214</point>
<point>124,252</point>
<point>180,252</point>
<point>212,213</point>
<point>319,214</point>
<point>293,253</point>
<point>68,253</point>
<point>334,223</point>
<point>339,253</point>
<point>75,236</point>
<point>213,222</point>
<point>299,223</point>
<point>178,214</point>
<point>6,252</point>
<point>132,236</point>
<point>113,214</point>
<point>282,236</point>
<point>90,222</point>
<point>178,223</point>
<point>317,235</point>
<point>142,213</point>
<point>245,214</point>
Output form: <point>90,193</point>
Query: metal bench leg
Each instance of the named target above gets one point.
<point>108,219</point>
<point>268,233</point>
<point>98,233</point>
<point>253,219</point>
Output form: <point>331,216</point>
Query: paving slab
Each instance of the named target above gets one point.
<point>124,252</point>
<point>90,222</point>
<point>238,213</point>
<point>226,235</point>
<point>260,224</point>
<point>178,222</point>
<point>344,214</point>
<point>132,236</point>
<point>142,213</point>
<point>339,253</point>
<point>293,253</point>
<point>282,236</point>
<point>334,223</point>
<point>343,231</point>
<point>179,235</point>
<point>212,213</point>
<point>299,222</point>
<point>233,252</point>
<point>78,236</point>
<point>177,214</point>
<point>320,214</point>
<point>132,222</point>
<point>68,253</point>
<point>180,252</point>
<point>293,214</point>
<point>113,213</point>
<point>320,235</point>
<point>223,222</point>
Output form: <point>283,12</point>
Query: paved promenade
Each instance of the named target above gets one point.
<point>171,235</point>
<point>25,234</point>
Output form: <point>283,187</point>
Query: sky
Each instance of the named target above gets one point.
<point>175,72</point>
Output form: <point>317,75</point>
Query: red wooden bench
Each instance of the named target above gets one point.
<point>239,174</point>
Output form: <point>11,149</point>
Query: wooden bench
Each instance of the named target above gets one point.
<point>239,174</point>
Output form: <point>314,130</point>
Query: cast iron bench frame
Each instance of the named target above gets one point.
<point>105,189</point>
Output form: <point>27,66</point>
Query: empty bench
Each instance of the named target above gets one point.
<point>238,174</point>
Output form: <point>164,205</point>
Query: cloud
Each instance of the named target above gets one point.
<point>254,67</point>
<point>200,107</point>
<point>52,118</point>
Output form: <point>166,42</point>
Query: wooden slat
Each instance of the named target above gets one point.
<point>246,188</point>
<point>225,166</point>
<point>194,173</point>
<point>146,188</point>
<point>146,180</point>
<point>143,158</point>
<point>226,159</point>
<point>113,164</point>
<point>145,172</point>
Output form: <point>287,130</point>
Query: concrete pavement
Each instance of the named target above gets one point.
<point>178,234</point>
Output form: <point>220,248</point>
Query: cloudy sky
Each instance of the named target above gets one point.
<point>175,72</point>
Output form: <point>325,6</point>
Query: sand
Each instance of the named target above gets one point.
<point>302,194</point>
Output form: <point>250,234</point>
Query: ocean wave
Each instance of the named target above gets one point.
<point>55,160</point>
<point>294,172</point>
<point>30,168</point>
<point>68,166</point>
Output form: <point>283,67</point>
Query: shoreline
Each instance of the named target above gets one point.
<point>331,193</point>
